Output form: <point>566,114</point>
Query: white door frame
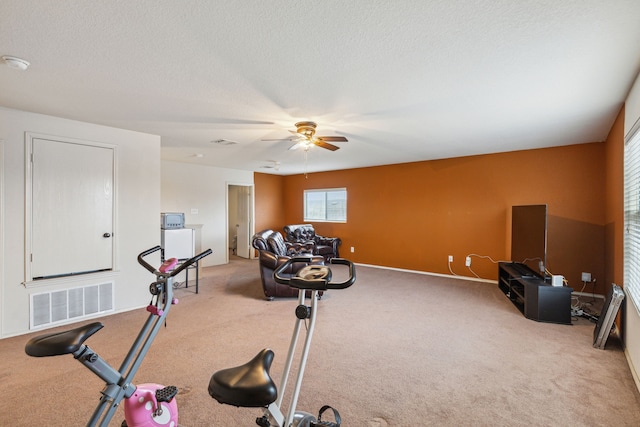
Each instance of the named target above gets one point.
<point>252,214</point>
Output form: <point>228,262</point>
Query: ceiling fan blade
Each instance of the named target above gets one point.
<point>295,146</point>
<point>333,138</point>
<point>326,145</point>
<point>280,139</point>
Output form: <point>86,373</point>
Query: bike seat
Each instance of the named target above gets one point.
<point>248,385</point>
<point>59,343</point>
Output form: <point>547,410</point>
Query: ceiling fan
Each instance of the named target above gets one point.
<point>304,135</point>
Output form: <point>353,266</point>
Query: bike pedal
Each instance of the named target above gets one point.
<point>166,394</point>
<point>320,423</point>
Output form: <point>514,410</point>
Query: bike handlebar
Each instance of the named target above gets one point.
<point>190,261</point>
<point>182,266</point>
<point>315,283</point>
<point>352,274</point>
<point>144,263</point>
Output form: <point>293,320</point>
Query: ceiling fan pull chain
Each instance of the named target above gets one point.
<point>306,152</point>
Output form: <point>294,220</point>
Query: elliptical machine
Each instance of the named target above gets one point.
<point>145,405</point>
<point>250,385</point>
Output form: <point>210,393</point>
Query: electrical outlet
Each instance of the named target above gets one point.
<point>586,277</point>
<point>450,258</point>
<point>353,249</point>
<point>467,261</point>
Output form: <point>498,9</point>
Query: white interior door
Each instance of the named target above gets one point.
<point>243,221</point>
<point>71,208</point>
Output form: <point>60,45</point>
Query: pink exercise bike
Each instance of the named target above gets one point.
<point>145,405</point>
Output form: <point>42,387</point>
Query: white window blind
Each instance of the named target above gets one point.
<point>632,219</point>
<point>325,205</point>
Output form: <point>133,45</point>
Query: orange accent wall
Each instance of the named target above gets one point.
<point>614,206</point>
<point>269,201</point>
<point>414,215</point>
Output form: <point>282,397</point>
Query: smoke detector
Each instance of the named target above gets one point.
<point>16,63</point>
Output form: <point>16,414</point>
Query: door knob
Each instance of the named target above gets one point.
<point>106,235</point>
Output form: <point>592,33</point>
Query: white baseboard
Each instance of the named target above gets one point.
<point>427,273</point>
<point>632,368</point>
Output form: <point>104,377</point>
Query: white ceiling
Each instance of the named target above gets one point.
<point>404,80</point>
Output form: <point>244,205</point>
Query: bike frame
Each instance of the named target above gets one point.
<point>118,383</point>
<point>274,408</point>
<point>304,285</point>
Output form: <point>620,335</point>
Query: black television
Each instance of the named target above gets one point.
<point>529,237</point>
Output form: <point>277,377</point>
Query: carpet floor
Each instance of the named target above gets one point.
<point>395,349</point>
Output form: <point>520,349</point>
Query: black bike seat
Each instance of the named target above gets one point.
<point>248,385</point>
<point>59,343</point>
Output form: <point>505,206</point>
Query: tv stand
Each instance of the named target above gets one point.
<point>535,298</point>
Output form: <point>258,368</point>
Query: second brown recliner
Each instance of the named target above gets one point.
<point>306,234</point>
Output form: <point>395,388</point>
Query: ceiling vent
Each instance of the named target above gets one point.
<point>224,142</point>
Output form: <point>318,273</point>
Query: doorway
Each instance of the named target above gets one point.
<point>240,219</point>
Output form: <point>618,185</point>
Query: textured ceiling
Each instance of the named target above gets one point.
<point>403,80</point>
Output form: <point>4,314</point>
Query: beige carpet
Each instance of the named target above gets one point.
<point>396,349</point>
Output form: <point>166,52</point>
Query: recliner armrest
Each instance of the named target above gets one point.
<point>329,241</point>
<point>269,259</point>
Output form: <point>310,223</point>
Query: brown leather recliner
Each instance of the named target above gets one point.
<point>273,252</point>
<point>306,234</point>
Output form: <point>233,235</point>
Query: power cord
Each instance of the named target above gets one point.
<point>580,309</point>
<point>468,262</point>
<point>450,270</point>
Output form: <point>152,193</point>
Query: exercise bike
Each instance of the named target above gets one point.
<point>145,405</point>
<point>251,386</point>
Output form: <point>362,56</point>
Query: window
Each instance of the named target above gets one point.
<point>325,205</point>
<point>632,219</point>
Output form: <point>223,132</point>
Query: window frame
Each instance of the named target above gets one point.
<point>307,218</point>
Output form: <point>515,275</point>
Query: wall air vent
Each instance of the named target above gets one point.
<point>56,307</point>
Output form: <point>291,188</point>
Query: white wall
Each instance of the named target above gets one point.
<point>137,213</point>
<point>186,186</point>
